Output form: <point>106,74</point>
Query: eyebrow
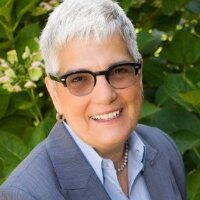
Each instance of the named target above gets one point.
<point>84,69</point>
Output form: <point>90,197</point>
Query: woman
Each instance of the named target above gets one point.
<point>96,150</point>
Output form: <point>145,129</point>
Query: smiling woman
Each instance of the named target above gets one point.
<point>104,100</point>
<point>96,150</point>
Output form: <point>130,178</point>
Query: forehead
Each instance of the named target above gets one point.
<point>92,54</point>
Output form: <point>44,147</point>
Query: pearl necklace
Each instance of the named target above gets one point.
<point>125,162</point>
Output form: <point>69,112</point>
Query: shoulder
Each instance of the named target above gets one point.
<point>156,138</point>
<point>34,175</point>
<point>167,149</point>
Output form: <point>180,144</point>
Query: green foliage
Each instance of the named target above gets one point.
<point>169,40</point>
<point>188,45</point>
<point>194,184</point>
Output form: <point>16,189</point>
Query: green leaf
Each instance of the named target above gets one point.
<point>24,6</point>
<point>193,183</point>
<point>42,130</point>
<point>26,37</point>
<point>12,151</point>
<point>13,145</point>
<point>154,72</point>
<point>1,167</point>
<point>6,8</point>
<point>148,109</point>
<point>162,98</point>
<point>125,4</point>
<point>2,177</point>
<point>4,99</point>
<point>174,84</point>
<point>194,6</point>
<point>20,101</point>
<point>148,42</point>
<point>143,39</point>
<point>169,6</point>
<point>183,50</point>
<point>174,119</point>
<point>2,33</point>
<point>15,124</point>
<point>24,105</point>
<point>161,22</point>
<point>192,97</point>
<point>193,75</point>
<point>186,139</point>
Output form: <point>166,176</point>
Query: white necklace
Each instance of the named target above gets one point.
<point>125,162</point>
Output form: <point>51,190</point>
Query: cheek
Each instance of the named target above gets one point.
<point>73,107</point>
<point>133,98</point>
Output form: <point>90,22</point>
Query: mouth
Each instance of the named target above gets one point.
<point>107,116</point>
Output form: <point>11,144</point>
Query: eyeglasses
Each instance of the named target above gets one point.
<point>82,82</point>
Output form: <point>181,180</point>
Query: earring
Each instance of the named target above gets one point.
<point>59,117</point>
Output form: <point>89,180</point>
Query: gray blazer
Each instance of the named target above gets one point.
<point>57,170</point>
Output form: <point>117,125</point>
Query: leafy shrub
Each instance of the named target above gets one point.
<point>169,40</point>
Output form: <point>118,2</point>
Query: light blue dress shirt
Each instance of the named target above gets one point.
<point>106,172</point>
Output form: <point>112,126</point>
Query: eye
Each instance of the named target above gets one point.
<point>120,70</point>
<point>77,79</point>
<point>80,78</point>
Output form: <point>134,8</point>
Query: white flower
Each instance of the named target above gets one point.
<point>53,2</point>
<point>36,56</point>
<point>8,87</point>
<point>4,79</point>
<point>3,64</point>
<point>26,54</point>
<point>12,56</point>
<point>35,73</point>
<point>10,73</point>
<point>41,94</point>
<point>29,84</point>
<point>36,64</point>
<point>46,6</point>
<point>17,88</point>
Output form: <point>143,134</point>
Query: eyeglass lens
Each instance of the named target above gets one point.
<point>119,77</point>
<point>80,84</point>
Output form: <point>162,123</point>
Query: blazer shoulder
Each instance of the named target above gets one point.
<point>156,138</point>
<point>35,175</point>
<point>162,142</point>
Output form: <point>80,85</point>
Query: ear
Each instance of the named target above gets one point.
<point>52,89</point>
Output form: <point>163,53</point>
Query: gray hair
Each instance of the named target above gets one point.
<point>82,19</point>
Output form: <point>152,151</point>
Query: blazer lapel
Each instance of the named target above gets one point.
<point>76,177</point>
<point>158,182</point>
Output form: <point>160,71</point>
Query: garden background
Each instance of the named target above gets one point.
<point>169,40</point>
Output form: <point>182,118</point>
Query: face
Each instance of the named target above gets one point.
<point>92,117</point>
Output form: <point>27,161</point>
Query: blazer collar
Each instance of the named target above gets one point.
<point>71,167</point>
<point>157,173</point>
<point>74,173</point>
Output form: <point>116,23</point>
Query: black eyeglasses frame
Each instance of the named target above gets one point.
<point>62,79</point>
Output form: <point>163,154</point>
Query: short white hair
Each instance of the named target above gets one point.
<point>82,19</point>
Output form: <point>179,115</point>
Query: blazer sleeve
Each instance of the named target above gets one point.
<point>12,193</point>
<point>177,166</point>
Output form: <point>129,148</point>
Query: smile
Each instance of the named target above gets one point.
<point>108,116</point>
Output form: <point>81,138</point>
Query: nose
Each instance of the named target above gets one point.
<point>103,92</point>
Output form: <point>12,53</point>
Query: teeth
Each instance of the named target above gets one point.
<point>108,116</point>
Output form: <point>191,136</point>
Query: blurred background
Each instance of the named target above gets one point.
<point>169,39</point>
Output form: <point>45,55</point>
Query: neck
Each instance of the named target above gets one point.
<point>116,154</point>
